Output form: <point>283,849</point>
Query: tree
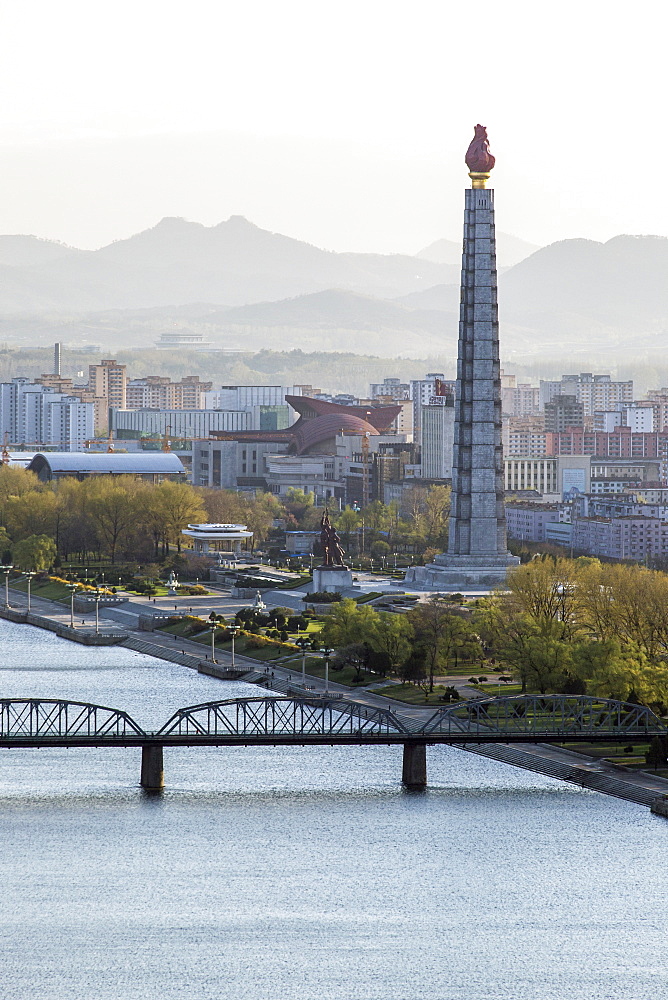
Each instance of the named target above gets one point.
<point>620,670</point>
<point>37,552</point>
<point>380,549</point>
<point>546,590</point>
<point>348,623</point>
<point>31,513</point>
<point>414,669</point>
<point>438,631</point>
<point>15,482</point>
<point>375,515</point>
<point>355,655</point>
<point>176,505</point>
<point>437,513</point>
<point>535,652</point>
<point>113,507</point>
<point>346,523</point>
<point>391,635</point>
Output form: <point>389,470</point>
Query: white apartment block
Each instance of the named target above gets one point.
<point>520,400</point>
<point>628,537</point>
<point>160,393</point>
<point>244,397</point>
<point>422,391</point>
<point>539,475</point>
<point>438,434</point>
<point>595,392</point>
<point>527,522</point>
<point>390,388</point>
<point>38,416</point>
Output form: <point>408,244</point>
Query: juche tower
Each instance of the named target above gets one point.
<point>477,549</point>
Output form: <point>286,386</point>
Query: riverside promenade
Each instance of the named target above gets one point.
<point>120,626</point>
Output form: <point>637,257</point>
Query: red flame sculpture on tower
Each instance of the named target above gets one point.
<point>479,160</point>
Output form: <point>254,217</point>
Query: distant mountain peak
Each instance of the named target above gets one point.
<point>510,250</point>
<point>239,222</point>
<point>173,222</point>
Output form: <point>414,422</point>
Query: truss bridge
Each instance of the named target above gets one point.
<point>274,721</point>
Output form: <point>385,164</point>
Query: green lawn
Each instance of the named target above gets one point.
<point>615,753</point>
<point>303,581</point>
<point>411,694</point>
<point>52,591</point>
<point>315,667</point>
<point>498,689</point>
<point>177,628</point>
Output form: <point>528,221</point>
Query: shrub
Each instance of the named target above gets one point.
<point>323,597</point>
<point>192,590</point>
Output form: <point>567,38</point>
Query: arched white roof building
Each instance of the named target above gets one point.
<point>154,466</point>
<point>213,538</point>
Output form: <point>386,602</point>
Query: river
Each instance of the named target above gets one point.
<point>305,873</point>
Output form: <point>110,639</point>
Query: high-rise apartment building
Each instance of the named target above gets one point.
<point>562,412</point>
<point>422,391</point>
<point>38,416</point>
<point>521,400</point>
<point>391,388</point>
<point>595,392</point>
<point>108,382</point>
<point>157,392</point>
<point>438,432</point>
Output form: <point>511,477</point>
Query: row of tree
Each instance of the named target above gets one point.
<point>420,522</point>
<point>125,518</point>
<point>582,625</point>
<point>417,645</point>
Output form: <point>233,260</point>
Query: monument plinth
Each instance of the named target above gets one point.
<point>477,548</point>
<point>333,575</point>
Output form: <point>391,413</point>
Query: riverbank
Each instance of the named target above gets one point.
<point>587,772</point>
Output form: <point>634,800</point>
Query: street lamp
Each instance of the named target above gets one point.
<point>6,569</point>
<point>303,644</point>
<point>326,652</point>
<point>212,626</point>
<point>96,598</point>
<point>72,587</point>
<point>233,629</point>
<point>29,573</point>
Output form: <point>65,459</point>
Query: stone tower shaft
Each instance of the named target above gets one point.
<point>477,520</point>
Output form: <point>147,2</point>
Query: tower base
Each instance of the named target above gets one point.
<point>450,573</point>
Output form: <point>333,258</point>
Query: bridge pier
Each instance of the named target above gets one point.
<point>414,770</point>
<point>152,773</point>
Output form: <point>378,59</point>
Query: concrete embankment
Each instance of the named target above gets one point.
<point>64,631</point>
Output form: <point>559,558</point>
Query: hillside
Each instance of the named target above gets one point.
<point>509,250</point>
<point>178,262</point>
<point>339,320</point>
<point>242,287</point>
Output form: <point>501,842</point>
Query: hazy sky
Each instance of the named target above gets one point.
<point>343,124</point>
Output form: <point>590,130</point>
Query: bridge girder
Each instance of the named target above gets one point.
<point>281,716</point>
<point>536,715</point>
<point>524,718</point>
<point>58,718</point>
